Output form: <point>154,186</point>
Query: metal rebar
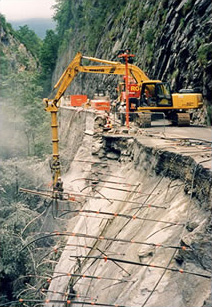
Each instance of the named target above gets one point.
<point>77,294</point>
<point>114,182</point>
<point>142,264</point>
<point>72,194</point>
<point>114,214</point>
<point>80,235</point>
<point>88,276</point>
<point>124,190</point>
<point>67,302</point>
<point>89,161</point>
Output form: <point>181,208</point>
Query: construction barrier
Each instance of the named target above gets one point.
<point>78,100</point>
<point>100,105</point>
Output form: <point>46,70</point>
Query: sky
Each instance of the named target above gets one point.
<point>26,9</point>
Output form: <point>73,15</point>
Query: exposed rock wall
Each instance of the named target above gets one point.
<point>73,126</point>
<point>13,54</point>
<point>171,40</point>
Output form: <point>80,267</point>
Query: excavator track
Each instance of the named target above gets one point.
<point>183,119</point>
<point>143,120</point>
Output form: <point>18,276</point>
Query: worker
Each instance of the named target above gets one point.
<point>59,188</point>
<point>108,124</point>
<point>122,110</point>
<point>147,97</point>
<point>87,104</point>
<point>150,96</point>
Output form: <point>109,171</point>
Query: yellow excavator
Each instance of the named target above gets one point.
<point>154,96</point>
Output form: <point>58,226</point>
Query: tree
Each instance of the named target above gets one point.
<point>48,57</point>
<point>63,16</point>
<point>48,53</point>
<point>28,37</point>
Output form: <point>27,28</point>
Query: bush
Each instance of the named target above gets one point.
<point>149,36</point>
<point>204,53</point>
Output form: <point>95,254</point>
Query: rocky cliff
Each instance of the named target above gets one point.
<point>171,40</point>
<point>14,57</point>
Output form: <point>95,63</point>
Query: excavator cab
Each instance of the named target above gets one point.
<point>156,94</point>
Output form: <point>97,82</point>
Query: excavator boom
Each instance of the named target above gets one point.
<point>113,68</point>
<point>67,77</point>
<point>118,69</point>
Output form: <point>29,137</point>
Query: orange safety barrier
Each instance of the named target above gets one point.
<point>78,100</point>
<point>101,105</point>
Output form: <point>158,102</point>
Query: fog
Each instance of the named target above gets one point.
<point>13,138</point>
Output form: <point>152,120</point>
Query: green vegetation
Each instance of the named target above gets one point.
<point>25,75</point>
<point>149,36</point>
<point>19,220</point>
<point>182,22</point>
<point>4,63</point>
<point>63,16</point>
<point>88,18</point>
<point>142,17</point>
<point>26,67</point>
<point>175,74</point>
<point>132,39</point>
<point>47,58</point>
<point>14,263</point>
<point>31,41</point>
<point>204,53</point>
<point>6,26</point>
<point>44,52</point>
<point>187,7</point>
<point>25,94</point>
<point>209,115</point>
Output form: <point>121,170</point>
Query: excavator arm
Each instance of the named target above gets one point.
<point>67,77</point>
<point>117,69</point>
<point>113,68</point>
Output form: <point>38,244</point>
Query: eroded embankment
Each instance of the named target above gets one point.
<point>142,234</point>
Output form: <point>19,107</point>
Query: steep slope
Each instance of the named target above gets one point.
<point>171,40</point>
<point>142,235</point>
<point>21,116</point>
<point>23,121</point>
<point>14,55</point>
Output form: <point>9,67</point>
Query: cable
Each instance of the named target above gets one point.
<point>159,280</point>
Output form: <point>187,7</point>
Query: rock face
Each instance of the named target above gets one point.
<point>171,40</point>
<point>14,55</point>
<point>139,197</point>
